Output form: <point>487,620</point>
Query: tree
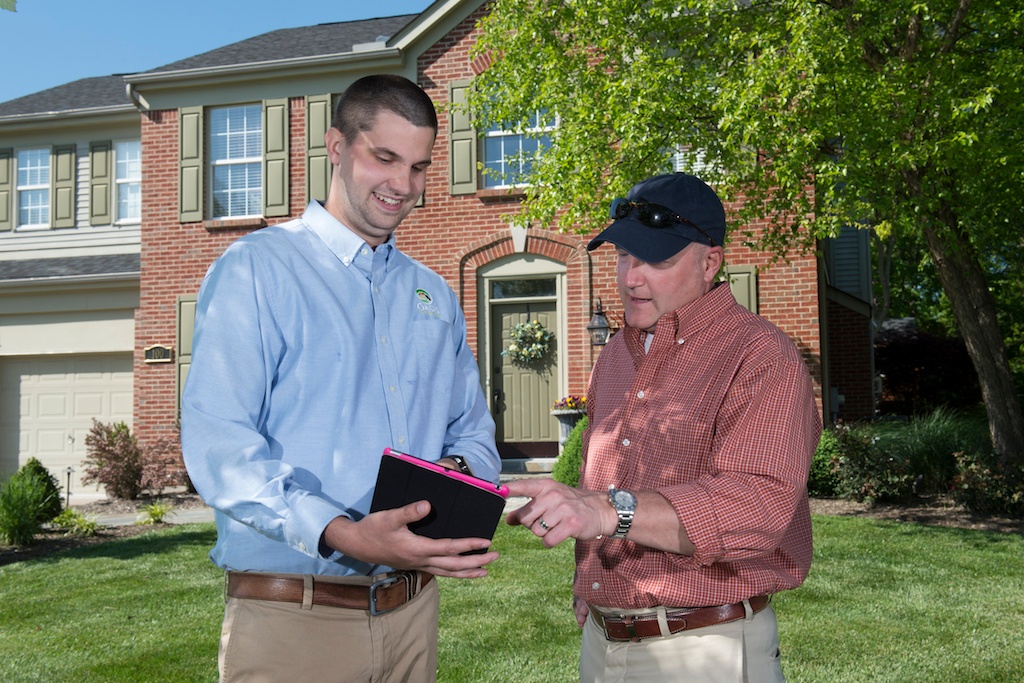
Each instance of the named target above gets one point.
<point>905,117</point>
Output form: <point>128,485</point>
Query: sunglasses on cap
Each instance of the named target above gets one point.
<point>652,215</point>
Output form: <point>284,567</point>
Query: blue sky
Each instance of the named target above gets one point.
<point>50,42</point>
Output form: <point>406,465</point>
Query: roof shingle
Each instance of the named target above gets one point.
<point>287,43</point>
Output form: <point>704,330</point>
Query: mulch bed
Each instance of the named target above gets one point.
<point>53,542</point>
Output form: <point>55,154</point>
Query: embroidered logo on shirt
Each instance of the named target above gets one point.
<point>426,304</point>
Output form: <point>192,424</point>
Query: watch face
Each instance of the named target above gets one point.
<point>624,500</point>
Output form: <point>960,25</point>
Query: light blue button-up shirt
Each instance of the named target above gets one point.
<point>312,353</point>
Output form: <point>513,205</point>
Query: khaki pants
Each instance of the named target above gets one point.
<point>264,641</point>
<point>743,651</point>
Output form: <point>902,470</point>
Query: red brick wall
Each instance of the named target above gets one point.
<point>453,235</point>
<point>174,259</point>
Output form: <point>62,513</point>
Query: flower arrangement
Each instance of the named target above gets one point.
<point>571,403</point>
<point>528,342</point>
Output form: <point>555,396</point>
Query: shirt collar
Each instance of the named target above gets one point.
<point>337,236</point>
<point>685,322</point>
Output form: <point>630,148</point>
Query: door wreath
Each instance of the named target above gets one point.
<point>528,343</point>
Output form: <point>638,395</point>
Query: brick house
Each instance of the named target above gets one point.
<point>150,176</point>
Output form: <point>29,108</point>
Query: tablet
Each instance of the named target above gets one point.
<point>462,506</point>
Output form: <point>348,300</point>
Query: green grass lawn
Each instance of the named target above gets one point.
<point>885,601</point>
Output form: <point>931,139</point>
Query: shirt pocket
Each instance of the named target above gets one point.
<point>430,351</point>
<point>679,447</point>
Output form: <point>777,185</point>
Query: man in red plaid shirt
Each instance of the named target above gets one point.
<point>692,505</point>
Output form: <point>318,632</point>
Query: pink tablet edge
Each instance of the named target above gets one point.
<point>501,490</point>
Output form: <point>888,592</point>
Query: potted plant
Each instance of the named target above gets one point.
<point>568,411</point>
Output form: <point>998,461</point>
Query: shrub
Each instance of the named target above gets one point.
<point>928,444</point>
<point>155,512</point>
<point>117,460</point>
<point>74,523</point>
<point>823,480</point>
<point>23,497</point>
<point>163,467</point>
<point>114,459</point>
<point>982,484</point>
<point>567,467</point>
<point>896,460</point>
<point>866,473</point>
<point>53,505</point>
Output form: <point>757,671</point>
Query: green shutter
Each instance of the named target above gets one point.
<point>190,164</point>
<point>101,193</point>
<point>6,190</point>
<point>186,328</point>
<point>318,164</point>
<point>461,142</point>
<point>62,183</point>
<point>275,158</point>
<point>743,282</point>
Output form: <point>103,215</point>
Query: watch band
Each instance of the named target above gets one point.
<point>625,522</point>
<point>463,465</point>
<point>624,503</point>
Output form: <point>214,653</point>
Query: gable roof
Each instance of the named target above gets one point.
<point>294,43</point>
<point>84,95</point>
<point>107,93</point>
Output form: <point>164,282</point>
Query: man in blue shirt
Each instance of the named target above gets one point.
<point>317,345</point>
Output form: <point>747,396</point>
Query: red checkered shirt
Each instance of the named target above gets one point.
<point>719,417</point>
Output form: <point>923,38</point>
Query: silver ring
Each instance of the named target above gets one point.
<point>543,524</point>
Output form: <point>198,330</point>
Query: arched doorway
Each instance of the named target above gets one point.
<point>513,290</point>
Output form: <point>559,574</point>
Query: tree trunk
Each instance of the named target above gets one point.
<point>974,308</point>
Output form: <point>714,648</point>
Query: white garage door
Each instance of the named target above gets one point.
<point>47,405</point>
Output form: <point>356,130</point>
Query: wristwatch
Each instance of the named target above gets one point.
<point>624,503</point>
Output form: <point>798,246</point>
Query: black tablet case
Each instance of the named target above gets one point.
<point>458,509</point>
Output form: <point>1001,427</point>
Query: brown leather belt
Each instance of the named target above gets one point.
<point>383,595</point>
<point>638,627</point>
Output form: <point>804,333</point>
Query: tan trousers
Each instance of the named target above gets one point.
<point>744,651</point>
<point>264,641</point>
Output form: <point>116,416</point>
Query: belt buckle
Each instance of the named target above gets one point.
<point>384,583</point>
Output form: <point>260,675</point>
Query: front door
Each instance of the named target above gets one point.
<point>522,394</point>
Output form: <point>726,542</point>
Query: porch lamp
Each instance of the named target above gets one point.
<point>598,326</point>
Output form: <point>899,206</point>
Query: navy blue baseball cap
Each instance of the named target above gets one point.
<point>660,216</point>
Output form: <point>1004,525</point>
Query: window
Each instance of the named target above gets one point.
<point>508,155</point>
<point>33,188</point>
<point>236,161</point>
<point>128,180</point>
<point>512,289</point>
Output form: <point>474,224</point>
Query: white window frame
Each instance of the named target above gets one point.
<point>128,180</point>
<point>235,154</point>
<point>33,180</point>
<point>505,177</point>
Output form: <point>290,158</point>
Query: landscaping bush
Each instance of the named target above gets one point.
<point>163,466</point>
<point>897,460</point>
<point>928,443</point>
<point>823,480</point>
<point>53,505</point>
<point>74,523</point>
<point>984,485</point>
<point>567,467</point>
<point>866,473</point>
<point>126,468</point>
<point>23,498</point>
<point>156,512</point>
<point>114,459</point>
